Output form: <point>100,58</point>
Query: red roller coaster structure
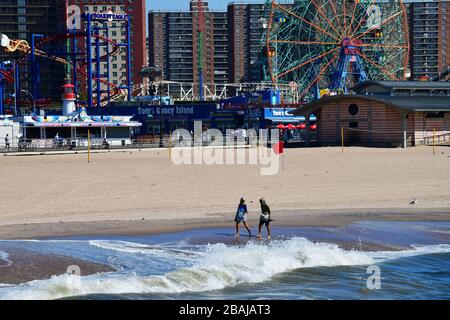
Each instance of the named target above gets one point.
<point>84,67</point>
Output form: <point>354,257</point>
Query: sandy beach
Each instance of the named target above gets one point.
<point>139,192</point>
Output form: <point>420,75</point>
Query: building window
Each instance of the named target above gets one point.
<point>353,109</point>
<point>434,115</point>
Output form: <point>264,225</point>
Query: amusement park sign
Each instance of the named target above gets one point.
<point>74,17</point>
<point>109,16</point>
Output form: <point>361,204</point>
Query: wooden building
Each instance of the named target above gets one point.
<point>385,113</point>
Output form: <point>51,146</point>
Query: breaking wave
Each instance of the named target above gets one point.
<point>211,267</point>
<point>4,261</point>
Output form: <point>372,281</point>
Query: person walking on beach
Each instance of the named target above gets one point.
<point>241,216</point>
<point>7,145</point>
<point>264,218</point>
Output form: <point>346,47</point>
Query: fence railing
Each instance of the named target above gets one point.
<point>44,145</point>
<point>164,141</point>
<point>438,139</point>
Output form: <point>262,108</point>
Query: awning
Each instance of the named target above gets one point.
<point>81,125</point>
<point>290,119</point>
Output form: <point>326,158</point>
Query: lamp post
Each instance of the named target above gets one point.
<point>32,99</point>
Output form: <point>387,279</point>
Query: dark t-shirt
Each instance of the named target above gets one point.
<point>242,209</point>
<point>265,213</point>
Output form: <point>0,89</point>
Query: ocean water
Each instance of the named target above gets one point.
<point>413,259</point>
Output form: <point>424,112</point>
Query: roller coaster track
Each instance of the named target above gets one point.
<point>23,46</point>
<point>7,76</point>
<point>184,91</point>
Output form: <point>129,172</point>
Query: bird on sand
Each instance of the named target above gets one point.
<point>413,202</point>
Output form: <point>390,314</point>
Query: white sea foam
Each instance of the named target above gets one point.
<point>4,256</point>
<point>416,250</point>
<point>439,231</point>
<point>219,266</point>
<point>138,248</point>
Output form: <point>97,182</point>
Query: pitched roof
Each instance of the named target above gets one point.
<point>403,103</point>
<point>389,86</point>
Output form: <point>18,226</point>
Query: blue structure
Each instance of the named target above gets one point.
<point>164,119</point>
<point>92,31</point>
<point>274,116</point>
<point>266,97</point>
<point>6,70</point>
<point>87,62</point>
<point>349,56</point>
<point>35,67</point>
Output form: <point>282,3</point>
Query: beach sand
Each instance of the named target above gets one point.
<point>143,192</point>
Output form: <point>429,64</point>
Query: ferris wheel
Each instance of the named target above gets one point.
<point>331,45</point>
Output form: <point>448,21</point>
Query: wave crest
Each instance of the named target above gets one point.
<point>218,266</point>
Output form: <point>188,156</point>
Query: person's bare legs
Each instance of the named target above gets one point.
<point>268,231</point>
<point>237,229</point>
<point>247,227</point>
<point>260,231</point>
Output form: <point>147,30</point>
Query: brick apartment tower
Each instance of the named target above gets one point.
<point>136,9</point>
<point>429,36</point>
<point>173,45</point>
<point>245,34</point>
<point>444,39</point>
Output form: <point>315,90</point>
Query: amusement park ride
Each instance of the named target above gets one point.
<point>331,45</point>
<point>311,48</point>
<point>82,56</point>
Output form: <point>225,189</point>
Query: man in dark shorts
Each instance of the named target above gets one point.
<point>264,218</point>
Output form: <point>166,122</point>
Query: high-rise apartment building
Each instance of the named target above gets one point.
<point>246,30</point>
<point>232,43</point>
<point>430,36</point>
<point>173,45</point>
<point>221,47</point>
<point>19,19</point>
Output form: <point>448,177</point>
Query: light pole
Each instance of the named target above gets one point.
<point>32,99</point>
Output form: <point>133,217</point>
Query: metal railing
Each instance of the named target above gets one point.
<point>438,139</point>
<point>49,145</point>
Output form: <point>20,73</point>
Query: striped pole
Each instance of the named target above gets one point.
<point>434,140</point>
<point>170,146</point>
